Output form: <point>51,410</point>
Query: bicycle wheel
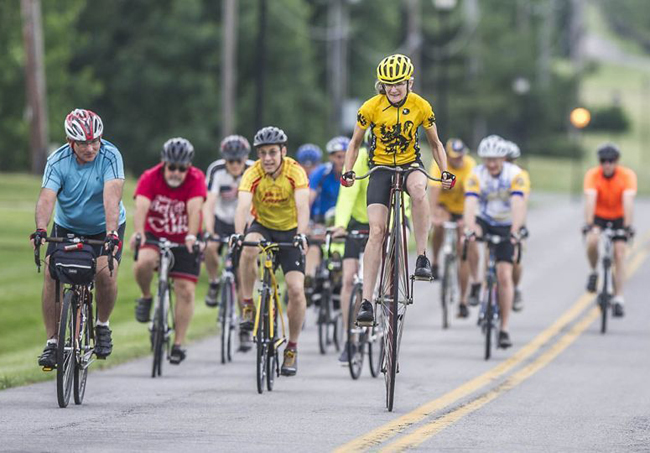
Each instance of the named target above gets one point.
<point>225,306</point>
<point>446,290</point>
<point>337,331</point>
<point>66,356</point>
<point>158,330</point>
<point>375,341</point>
<point>324,313</point>
<point>603,299</point>
<point>86,347</point>
<point>262,340</point>
<point>489,314</point>
<point>272,361</point>
<point>355,334</point>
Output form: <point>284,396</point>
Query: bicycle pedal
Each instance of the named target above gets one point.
<point>422,279</point>
<point>47,368</point>
<point>365,324</point>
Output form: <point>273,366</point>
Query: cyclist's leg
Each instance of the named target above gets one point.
<point>350,267</point>
<point>295,281</point>
<point>463,265</point>
<point>504,258</point>
<point>248,266</point>
<point>438,217</point>
<point>619,267</point>
<point>184,289</point>
<point>377,218</point>
<point>106,289</point>
<point>416,185</point>
<point>592,247</point>
<point>212,260</point>
<point>143,269</point>
<point>50,313</point>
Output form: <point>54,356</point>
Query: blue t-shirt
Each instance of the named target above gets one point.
<point>326,183</point>
<point>80,188</point>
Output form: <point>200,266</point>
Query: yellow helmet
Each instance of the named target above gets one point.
<point>394,69</point>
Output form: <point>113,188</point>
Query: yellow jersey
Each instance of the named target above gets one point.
<point>274,201</point>
<point>394,139</point>
<point>454,199</point>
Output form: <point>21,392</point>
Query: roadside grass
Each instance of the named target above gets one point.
<point>22,335</point>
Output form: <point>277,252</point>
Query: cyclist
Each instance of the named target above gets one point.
<point>168,201</point>
<point>224,176</point>
<point>277,190</point>
<point>324,183</point>
<point>496,190</point>
<point>309,157</point>
<point>84,178</point>
<point>448,206</point>
<point>514,153</point>
<point>610,189</point>
<point>394,116</point>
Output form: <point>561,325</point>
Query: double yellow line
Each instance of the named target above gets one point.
<point>391,429</point>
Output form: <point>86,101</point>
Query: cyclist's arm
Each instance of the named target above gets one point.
<point>312,196</point>
<point>353,148</point>
<point>302,208</point>
<point>437,149</point>
<point>469,213</point>
<point>628,207</point>
<point>244,202</point>
<point>142,205</point>
<point>518,206</point>
<point>112,197</point>
<point>208,212</point>
<point>194,206</point>
<point>590,206</point>
<point>44,208</point>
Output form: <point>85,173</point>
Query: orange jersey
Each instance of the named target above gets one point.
<point>609,191</point>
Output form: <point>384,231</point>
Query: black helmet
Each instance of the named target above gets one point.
<point>608,151</point>
<point>270,135</point>
<point>177,151</point>
<point>235,147</point>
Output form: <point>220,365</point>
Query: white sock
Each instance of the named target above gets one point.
<point>52,341</point>
<point>99,323</point>
<point>618,300</point>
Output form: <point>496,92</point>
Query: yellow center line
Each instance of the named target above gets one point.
<point>400,424</point>
<point>431,429</point>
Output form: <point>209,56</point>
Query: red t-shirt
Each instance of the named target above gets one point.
<point>167,215</point>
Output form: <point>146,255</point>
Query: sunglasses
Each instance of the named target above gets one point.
<point>174,167</point>
<point>607,161</point>
<point>234,161</point>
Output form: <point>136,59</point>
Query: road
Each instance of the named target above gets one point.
<point>562,387</point>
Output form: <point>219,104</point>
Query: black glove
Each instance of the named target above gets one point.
<point>347,178</point>
<point>112,241</point>
<point>300,240</point>
<point>630,231</point>
<point>38,236</point>
<point>235,240</point>
<point>586,229</point>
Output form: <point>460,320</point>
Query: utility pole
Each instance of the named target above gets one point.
<point>35,83</point>
<point>545,38</point>
<point>414,37</point>
<point>337,19</point>
<point>229,67</point>
<point>261,65</point>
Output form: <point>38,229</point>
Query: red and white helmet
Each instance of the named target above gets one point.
<point>83,125</point>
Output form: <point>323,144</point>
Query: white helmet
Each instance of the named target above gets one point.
<point>83,125</point>
<point>513,150</point>
<point>492,146</point>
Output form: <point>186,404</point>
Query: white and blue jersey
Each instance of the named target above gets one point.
<point>326,184</point>
<point>80,188</point>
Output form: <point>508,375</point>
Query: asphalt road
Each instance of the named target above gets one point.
<point>562,387</point>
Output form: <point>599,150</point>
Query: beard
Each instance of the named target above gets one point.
<point>174,182</point>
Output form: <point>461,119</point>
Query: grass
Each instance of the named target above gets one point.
<point>23,333</point>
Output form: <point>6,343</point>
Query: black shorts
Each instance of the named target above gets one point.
<point>185,267</point>
<point>614,224</point>
<point>380,184</point>
<point>59,232</point>
<point>291,259</point>
<point>224,230</point>
<point>453,217</point>
<point>354,247</point>
<point>504,250</point>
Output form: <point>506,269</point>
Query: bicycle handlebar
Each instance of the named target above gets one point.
<point>493,239</point>
<point>76,242</point>
<point>397,170</point>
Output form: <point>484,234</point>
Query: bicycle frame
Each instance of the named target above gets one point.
<point>267,277</point>
<point>606,246</point>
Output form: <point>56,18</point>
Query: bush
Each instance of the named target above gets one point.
<point>609,119</point>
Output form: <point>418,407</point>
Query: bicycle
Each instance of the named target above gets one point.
<point>330,318</point>
<point>489,315</point>
<point>449,291</point>
<point>162,324</point>
<point>227,317</point>
<point>75,266</point>
<point>269,309</point>
<point>395,292</point>
<point>360,338</point>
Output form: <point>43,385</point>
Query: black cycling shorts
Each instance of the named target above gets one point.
<point>185,267</point>
<point>614,224</point>
<point>354,247</point>
<point>224,230</point>
<point>59,232</point>
<point>380,184</point>
<point>291,259</point>
<point>504,250</point>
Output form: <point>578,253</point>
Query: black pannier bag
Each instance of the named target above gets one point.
<point>74,267</point>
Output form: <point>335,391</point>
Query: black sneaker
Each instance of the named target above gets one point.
<point>213,293</point>
<point>463,311</point>
<point>245,340</point>
<point>474,294</point>
<point>422,267</point>
<point>103,342</point>
<point>290,363</point>
<point>177,355</point>
<point>618,309</point>
<point>143,309</point>
<point>504,340</point>
<point>434,272</point>
<point>517,303</point>
<point>592,282</point>
<point>366,316</point>
<point>47,359</point>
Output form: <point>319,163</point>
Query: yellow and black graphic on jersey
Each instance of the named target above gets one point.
<point>362,119</point>
<point>397,139</point>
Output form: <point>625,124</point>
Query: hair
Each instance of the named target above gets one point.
<point>379,86</point>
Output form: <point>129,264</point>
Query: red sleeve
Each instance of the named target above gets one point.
<point>198,188</point>
<point>145,186</point>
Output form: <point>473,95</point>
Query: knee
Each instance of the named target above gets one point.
<point>248,256</point>
<point>418,192</point>
<point>377,232</point>
<point>184,289</point>
<point>295,290</point>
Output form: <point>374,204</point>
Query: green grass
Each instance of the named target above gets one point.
<point>23,333</point>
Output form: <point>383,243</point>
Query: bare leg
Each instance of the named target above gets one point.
<point>506,292</point>
<point>377,218</point>
<point>312,260</point>
<point>350,266</point>
<point>184,290</point>
<point>416,184</point>
<point>440,215</point>
<point>51,312</point>
<point>619,268</point>
<point>147,261</point>
<point>248,266</point>
<point>592,248</point>
<point>106,289</point>
<point>297,305</point>
<point>212,261</point>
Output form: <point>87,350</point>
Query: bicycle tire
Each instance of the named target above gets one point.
<point>355,361</point>
<point>232,319</point>
<point>324,314</point>
<point>488,323</point>
<point>158,331</point>
<point>603,299</point>
<point>86,348</point>
<point>224,320</point>
<point>446,291</point>
<point>272,360</point>
<point>262,340</point>
<point>65,355</point>
<point>337,332</point>
<point>375,342</point>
